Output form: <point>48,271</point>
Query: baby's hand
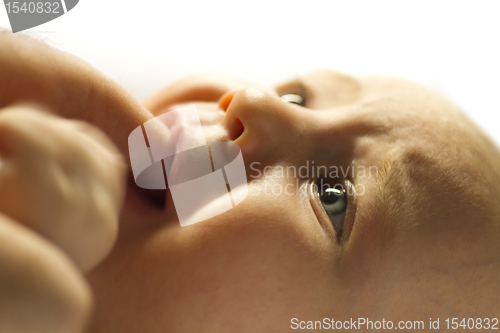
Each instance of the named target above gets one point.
<point>61,188</point>
<point>61,182</point>
<point>62,178</point>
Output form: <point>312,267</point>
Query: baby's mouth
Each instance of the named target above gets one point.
<point>156,199</point>
<point>141,201</point>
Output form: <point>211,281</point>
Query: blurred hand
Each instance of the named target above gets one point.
<point>63,137</point>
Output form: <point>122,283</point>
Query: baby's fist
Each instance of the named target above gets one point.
<point>62,178</point>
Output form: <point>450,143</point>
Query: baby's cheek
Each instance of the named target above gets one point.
<point>253,278</point>
<point>261,275</point>
<point>232,276</point>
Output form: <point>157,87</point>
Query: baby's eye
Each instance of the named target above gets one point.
<point>334,201</point>
<point>294,98</point>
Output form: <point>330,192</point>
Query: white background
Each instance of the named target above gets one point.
<point>452,46</point>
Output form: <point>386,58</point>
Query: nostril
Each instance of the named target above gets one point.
<point>234,125</point>
<point>226,99</point>
<point>236,130</point>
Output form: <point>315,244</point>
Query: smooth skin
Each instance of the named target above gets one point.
<point>420,242</point>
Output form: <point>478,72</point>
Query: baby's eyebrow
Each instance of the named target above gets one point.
<point>388,203</point>
<point>412,187</point>
<point>296,84</point>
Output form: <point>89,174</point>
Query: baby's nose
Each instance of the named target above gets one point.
<point>258,120</point>
<point>248,109</point>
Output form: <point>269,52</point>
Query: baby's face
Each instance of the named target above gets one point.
<point>420,208</point>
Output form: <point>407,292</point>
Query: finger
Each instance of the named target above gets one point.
<point>40,288</point>
<point>64,179</point>
<point>31,70</point>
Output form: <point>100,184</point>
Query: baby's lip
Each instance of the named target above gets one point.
<point>142,203</point>
<point>155,198</point>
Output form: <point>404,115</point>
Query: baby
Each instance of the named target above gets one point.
<point>394,219</point>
